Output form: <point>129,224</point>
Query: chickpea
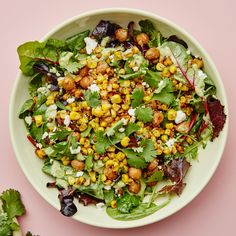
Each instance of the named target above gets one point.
<point>121,34</point>
<point>84,71</point>
<point>68,83</point>
<point>158,117</point>
<point>152,54</point>
<point>102,67</point>
<point>153,165</point>
<point>134,187</point>
<point>86,82</point>
<point>77,165</point>
<point>183,127</point>
<point>110,174</point>
<point>142,39</point>
<point>135,173</point>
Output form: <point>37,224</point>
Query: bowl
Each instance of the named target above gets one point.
<point>200,172</point>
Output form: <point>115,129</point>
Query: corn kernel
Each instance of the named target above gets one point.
<point>38,120</point>
<point>103,124</point>
<point>159,151</point>
<point>92,175</point>
<point>122,71</point>
<point>103,178</point>
<point>97,111</point>
<point>166,72</point>
<point>91,64</point>
<point>156,133</point>
<point>80,180</point>
<point>100,129</point>
<point>167,131</point>
<point>116,107</point>
<point>166,151</point>
<point>113,113</point>
<point>66,162</point>
<point>147,98</point>
<point>171,115</point>
<point>125,161</point>
<point>125,178</point>
<point>74,115</point>
<point>132,64</point>
<point>113,203</point>
<point>115,86</point>
<point>71,180</point>
<point>182,99</point>
<point>135,50</point>
<point>40,153</point>
<point>87,143</point>
<point>111,149</point>
<point>164,107</point>
<point>184,88</point>
<point>172,69</point>
<point>116,99</point>
<point>109,163</point>
<point>87,182</point>
<point>169,125</point>
<point>106,106</point>
<point>125,141</point>
<point>160,67</point>
<point>125,84</point>
<point>164,137</point>
<point>84,150</point>
<point>105,159</point>
<point>120,156</point>
<point>125,107</point>
<point>49,102</point>
<point>168,62</point>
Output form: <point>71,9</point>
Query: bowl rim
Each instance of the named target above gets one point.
<point>209,175</point>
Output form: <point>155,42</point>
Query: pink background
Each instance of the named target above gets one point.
<point>212,23</point>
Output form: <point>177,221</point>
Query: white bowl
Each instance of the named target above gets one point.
<point>200,172</point>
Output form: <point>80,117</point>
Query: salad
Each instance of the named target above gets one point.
<point>117,115</point>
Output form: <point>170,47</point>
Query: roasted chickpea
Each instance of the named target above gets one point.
<point>158,117</point>
<point>135,173</point>
<point>153,165</point>
<point>84,71</point>
<point>183,127</point>
<point>68,83</point>
<point>77,165</point>
<point>152,54</point>
<point>142,39</point>
<point>121,34</point>
<point>86,82</point>
<point>102,67</point>
<point>134,187</point>
<point>110,174</point>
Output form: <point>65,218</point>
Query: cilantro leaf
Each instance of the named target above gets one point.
<point>89,162</point>
<point>127,202</point>
<point>149,151</point>
<point>111,131</point>
<point>144,114</point>
<point>137,97</point>
<point>102,142</point>
<point>12,204</point>
<point>152,78</point>
<point>131,128</point>
<point>92,98</point>
<point>62,106</point>
<point>157,176</point>
<point>134,160</point>
<point>26,107</point>
<point>60,135</point>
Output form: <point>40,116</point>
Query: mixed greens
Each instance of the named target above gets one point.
<point>117,115</point>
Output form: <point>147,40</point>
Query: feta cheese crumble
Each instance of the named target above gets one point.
<point>79,174</point>
<point>170,142</point>
<point>39,145</point>
<point>45,134</point>
<point>51,111</point>
<point>28,120</point>
<point>91,44</point>
<point>180,117</point>
<point>70,100</point>
<point>43,90</point>
<point>67,121</point>
<point>107,187</point>
<point>94,88</point>
<point>121,130</point>
<point>145,84</point>
<point>75,151</point>
<point>131,112</point>
<point>100,205</point>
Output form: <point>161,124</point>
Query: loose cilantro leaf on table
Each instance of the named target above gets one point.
<point>92,98</point>
<point>144,114</point>
<point>137,97</point>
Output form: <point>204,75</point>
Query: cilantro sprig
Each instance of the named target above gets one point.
<point>144,114</point>
<point>137,97</point>
<point>92,98</point>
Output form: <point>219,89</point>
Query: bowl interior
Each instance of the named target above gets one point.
<point>198,175</point>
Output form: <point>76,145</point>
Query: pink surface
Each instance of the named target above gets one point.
<point>212,23</point>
